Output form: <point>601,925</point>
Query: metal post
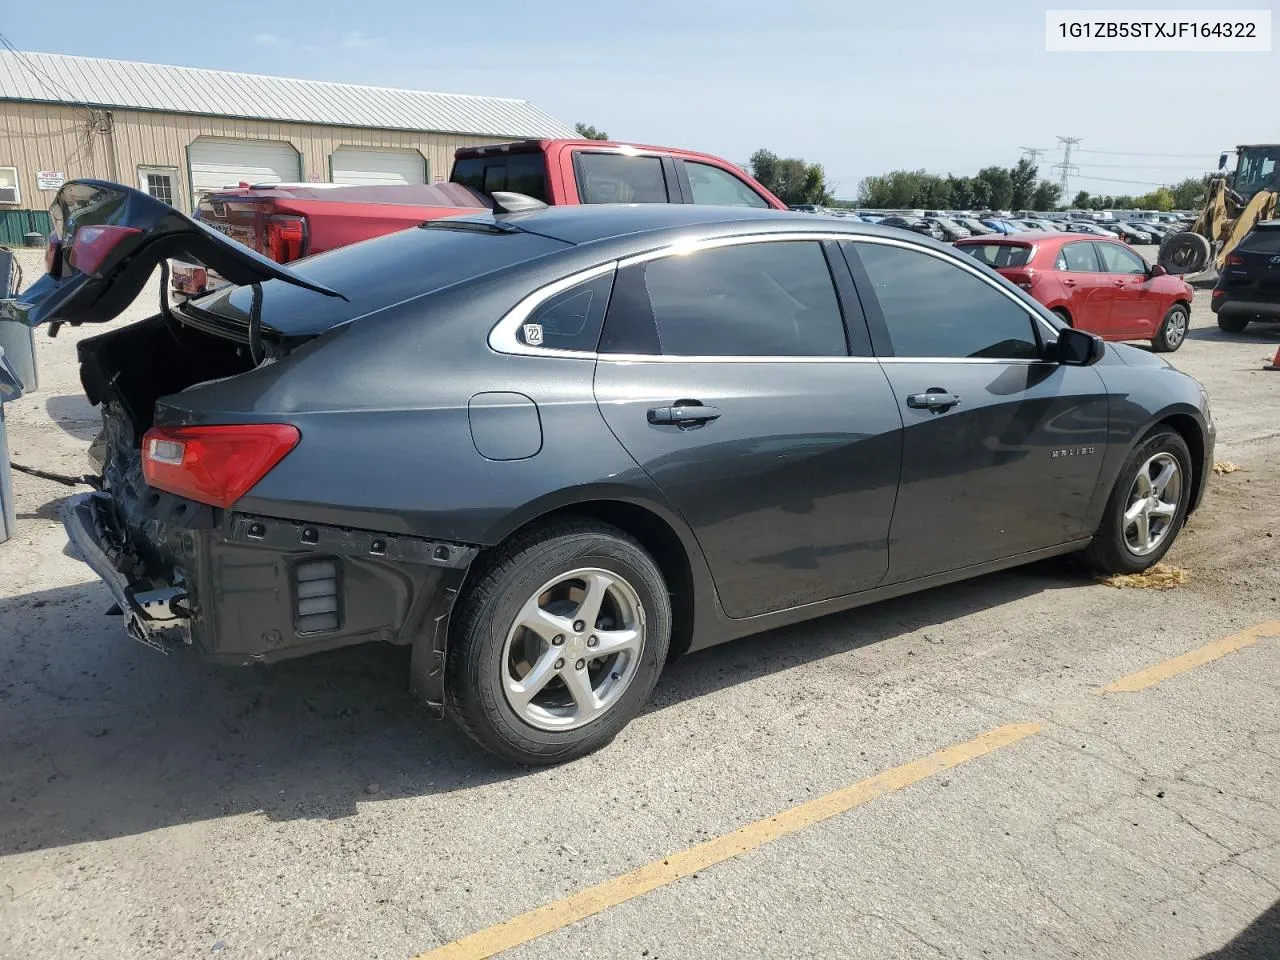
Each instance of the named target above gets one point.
<point>8,511</point>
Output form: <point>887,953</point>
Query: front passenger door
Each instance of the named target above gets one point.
<point>1133,310</point>
<point>1001,449</point>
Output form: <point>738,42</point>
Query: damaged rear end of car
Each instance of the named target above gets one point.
<point>187,435</point>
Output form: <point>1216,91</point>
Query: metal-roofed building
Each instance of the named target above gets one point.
<point>179,132</point>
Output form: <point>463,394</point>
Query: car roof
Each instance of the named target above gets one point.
<point>1025,238</point>
<point>588,223</point>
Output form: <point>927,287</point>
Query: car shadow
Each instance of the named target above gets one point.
<point>106,738</point>
<point>74,414</point>
<point>1261,333</point>
<point>1258,941</point>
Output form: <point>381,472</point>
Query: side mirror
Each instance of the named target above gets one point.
<point>1156,271</point>
<point>1222,162</point>
<point>1075,348</point>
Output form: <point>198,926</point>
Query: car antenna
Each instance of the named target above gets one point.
<point>508,202</point>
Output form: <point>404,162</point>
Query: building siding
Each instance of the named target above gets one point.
<point>39,136</point>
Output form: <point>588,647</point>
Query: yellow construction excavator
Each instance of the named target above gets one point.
<point>1236,201</point>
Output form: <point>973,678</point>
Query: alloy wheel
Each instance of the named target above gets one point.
<point>573,650</point>
<point>1153,504</point>
<point>1176,328</point>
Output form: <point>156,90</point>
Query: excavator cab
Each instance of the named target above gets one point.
<point>1235,202</point>
<point>1257,168</point>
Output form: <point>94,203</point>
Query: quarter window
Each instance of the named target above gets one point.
<point>750,300</point>
<point>618,178</point>
<point>1116,259</point>
<point>1078,258</point>
<point>713,185</point>
<point>933,308</point>
<point>571,320</point>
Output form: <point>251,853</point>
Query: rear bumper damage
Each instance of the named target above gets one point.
<point>250,589</point>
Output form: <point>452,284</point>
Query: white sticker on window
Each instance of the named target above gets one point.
<point>533,334</point>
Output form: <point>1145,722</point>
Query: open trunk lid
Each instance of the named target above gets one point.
<point>109,238</point>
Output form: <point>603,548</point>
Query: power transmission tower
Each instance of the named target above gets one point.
<point>1033,154</point>
<point>1066,167</point>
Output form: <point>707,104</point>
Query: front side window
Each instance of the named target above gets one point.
<point>713,185</point>
<point>1116,259</point>
<point>618,178</point>
<point>749,300</point>
<point>1078,258</point>
<point>571,320</point>
<point>933,308</point>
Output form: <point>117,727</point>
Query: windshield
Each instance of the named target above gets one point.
<point>1256,169</point>
<point>376,274</point>
<point>998,254</point>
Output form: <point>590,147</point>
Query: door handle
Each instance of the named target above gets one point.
<point>683,414</point>
<point>1118,283</point>
<point>1069,283</point>
<point>935,400</point>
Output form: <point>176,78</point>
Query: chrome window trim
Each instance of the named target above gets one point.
<point>502,337</point>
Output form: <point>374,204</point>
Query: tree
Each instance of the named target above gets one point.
<point>1191,193</point>
<point>1046,196</point>
<point>1022,179</point>
<point>587,132</point>
<point>999,185</point>
<point>1083,201</point>
<point>790,179</point>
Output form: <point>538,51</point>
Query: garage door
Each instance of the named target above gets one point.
<point>358,165</point>
<point>224,163</point>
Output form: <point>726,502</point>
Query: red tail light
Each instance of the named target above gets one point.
<point>90,246</point>
<point>1234,261</point>
<point>1219,293</point>
<point>286,238</point>
<point>214,465</point>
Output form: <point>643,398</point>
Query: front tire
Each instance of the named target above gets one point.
<point>1232,323</point>
<point>558,644</point>
<point>1147,506</point>
<point>1173,330</point>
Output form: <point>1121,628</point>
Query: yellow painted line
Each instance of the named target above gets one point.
<point>585,903</point>
<point>1193,658</point>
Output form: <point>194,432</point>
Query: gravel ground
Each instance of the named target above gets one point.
<point>157,807</point>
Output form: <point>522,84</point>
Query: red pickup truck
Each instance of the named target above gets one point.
<point>289,221</point>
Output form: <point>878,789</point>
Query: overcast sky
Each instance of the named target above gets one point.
<point>862,87</point>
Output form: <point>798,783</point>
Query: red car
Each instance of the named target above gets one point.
<point>1096,284</point>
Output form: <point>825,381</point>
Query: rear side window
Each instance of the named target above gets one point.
<point>713,185</point>
<point>751,300</point>
<point>1262,241</point>
<point>516,172</point>
<point>570,320</point>
<point>1078,258</point>
<point>618,178</point>
<point>933,308</point>
<point>998,254</point>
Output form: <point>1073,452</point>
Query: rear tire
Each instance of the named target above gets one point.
<point>1131,538</point>
<point>1173,330</point>
<point>1063,316</point>
<point>546,578</point>
<point>1232,323</point>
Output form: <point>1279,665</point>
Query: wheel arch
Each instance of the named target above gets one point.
<point>1193,434</point>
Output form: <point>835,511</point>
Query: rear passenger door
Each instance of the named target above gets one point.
<point>1001,449</point>
<point>727,375</point>
<point>1089,292</point>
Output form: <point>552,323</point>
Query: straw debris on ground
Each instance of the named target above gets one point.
<point>1225,466</point>
<point>1163,576</point>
